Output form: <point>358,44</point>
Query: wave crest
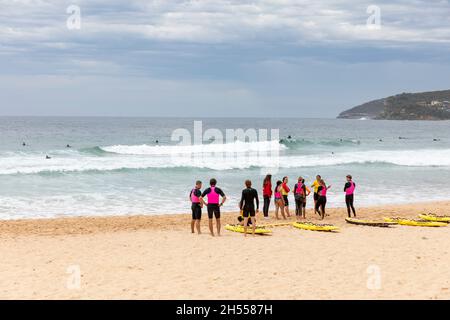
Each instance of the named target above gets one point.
<point>234,147</point>
<point>32,164</point>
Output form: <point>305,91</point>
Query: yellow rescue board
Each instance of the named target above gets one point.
<point>433,217</point>
<point>239,228</point>
<point>416,223</point>
<point>371,223</point>
<point>314,227</point>
<point>279,224</point>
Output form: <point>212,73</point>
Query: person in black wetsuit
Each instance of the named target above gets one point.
<point>322,200</point>
<point>267,194</point>
<point>301,191</point>
<point>196,206</point>
<point>213,206</point>
<point>316,185</point>
<point>349,190</point>
<point>247,205</point>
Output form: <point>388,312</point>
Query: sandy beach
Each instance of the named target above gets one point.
<point>156,257</point>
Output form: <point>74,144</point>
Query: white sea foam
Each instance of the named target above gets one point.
<point>234,147</point>
<point>412,158</point>
<point>77,162</point>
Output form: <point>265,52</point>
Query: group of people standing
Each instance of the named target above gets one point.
<point>301,191</point>
<point>216,199</point>
<point>249,203</point>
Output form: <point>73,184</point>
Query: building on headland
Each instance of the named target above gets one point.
<point>436,103</point>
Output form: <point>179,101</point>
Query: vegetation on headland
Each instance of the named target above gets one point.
<point>433,105</point>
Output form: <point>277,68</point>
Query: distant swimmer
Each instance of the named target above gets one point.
<point>47,157</point>
<point>380,140</point>
<point>156,141</point>
<point>289,137</point>
<point>24,144</point>
<point>68,146</point>
<point>402,138</point>
<point>436,139</point>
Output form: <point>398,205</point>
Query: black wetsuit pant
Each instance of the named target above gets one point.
<point>248,211</point>
<point>349,202</point>
<point>213,210</point>
<point>266,206</point>
<point>300,203</point>
<point>196,211</point>
<point>321,203</point>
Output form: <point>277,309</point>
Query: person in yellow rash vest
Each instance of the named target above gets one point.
<point>316,186</point>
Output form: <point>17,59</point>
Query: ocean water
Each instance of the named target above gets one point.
<point>115,166</point>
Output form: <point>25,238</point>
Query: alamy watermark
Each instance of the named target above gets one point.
<point>73,22</point>
<point>232,147</point>
<point>74,278</point>
<point>374,20</point>
<point>374,277</point>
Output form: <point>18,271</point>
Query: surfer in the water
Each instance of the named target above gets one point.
<point>196,206</point>
<point>247,205</point>
<point>213,193</point>
<point>279,201</point>
<point>349,190</point>
<point>322,200</point>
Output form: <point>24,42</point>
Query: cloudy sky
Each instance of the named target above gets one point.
<point>276,58</point>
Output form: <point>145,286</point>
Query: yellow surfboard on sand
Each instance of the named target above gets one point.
<point>314,226</point>
<point>371,223</point>
<point>239,228</point>
<point>433,217</point>
<point>416,223</point>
